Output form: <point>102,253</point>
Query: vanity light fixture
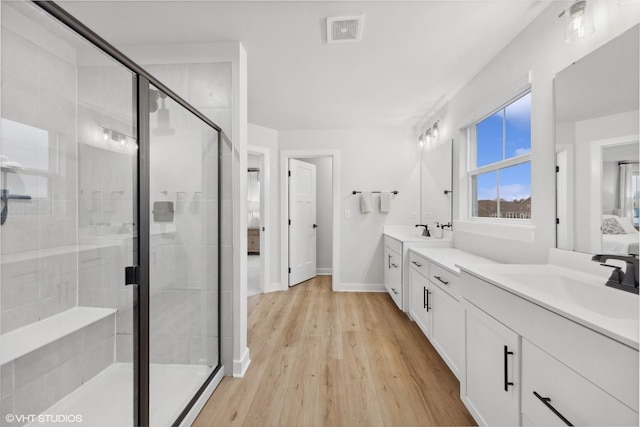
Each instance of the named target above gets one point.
<point>421,141</point>
<point>579,22</point>
<point>435,130</point>
<point>428,134</point>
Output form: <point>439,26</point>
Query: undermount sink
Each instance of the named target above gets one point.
<point>583,294</point>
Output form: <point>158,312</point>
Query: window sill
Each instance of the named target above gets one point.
<point>523,232</point>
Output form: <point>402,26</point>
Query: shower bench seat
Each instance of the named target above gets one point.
<point>30,338</point>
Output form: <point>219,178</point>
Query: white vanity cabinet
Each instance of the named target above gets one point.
<point>564,367</point>
<point>435,296</point>
<point>393,269</point>
<point>397,242</point>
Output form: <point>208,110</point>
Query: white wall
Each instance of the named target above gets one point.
<point>268,138</point>
<point>541,50</point>
<point>324,213</point>
<point>253,161</point>
<point>370,159</point>
<point>609,186</point>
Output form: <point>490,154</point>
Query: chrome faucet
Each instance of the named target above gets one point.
<point>425,232</point>
<point>627,281</point>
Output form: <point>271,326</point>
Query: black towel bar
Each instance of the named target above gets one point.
<point>356,192</point>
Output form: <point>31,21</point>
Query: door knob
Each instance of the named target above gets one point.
<point>315,225</point>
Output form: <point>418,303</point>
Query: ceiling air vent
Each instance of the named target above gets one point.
<point>344,29</point>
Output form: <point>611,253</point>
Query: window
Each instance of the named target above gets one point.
<point>500,162</point>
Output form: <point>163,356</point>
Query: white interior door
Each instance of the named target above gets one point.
<point>302,217</point>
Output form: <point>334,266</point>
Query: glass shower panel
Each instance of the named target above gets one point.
<point>183,256</point>
<point>68,173</point>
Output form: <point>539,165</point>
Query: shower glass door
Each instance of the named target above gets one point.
<point>101,172</point>
<point>68,146</point>
<point>183,256</point>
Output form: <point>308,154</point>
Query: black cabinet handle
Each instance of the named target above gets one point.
<point>424,297</point>
<point>440,279</point>
<point>428,292</point>
<point>394,291</point>
<point>417,264</point>
<point>389,262</point>
<point>546,401</point>
<point>507,383</point>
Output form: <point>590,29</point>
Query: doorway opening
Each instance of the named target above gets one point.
<point>314,244</point>
<point>258,161</point>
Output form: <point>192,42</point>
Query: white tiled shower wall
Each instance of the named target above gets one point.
<point>38,89</point>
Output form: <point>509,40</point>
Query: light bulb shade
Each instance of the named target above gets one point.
<point>164,127</point>
<point>579,22</point>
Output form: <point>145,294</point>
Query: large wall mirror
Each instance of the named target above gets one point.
<point>435,183</point>
<point>597,149</point>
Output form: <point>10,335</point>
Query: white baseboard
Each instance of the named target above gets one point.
<point>240,366</point>
<point>275,286</point>
<point>202,400</point>
<point>360,287</point>
<point>324,271</point>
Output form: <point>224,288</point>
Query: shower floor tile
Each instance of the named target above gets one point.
<point>107,399</point>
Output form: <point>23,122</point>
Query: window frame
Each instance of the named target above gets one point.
<point>473,171</point>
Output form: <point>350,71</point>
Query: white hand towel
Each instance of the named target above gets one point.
<point>365,202</point>
<point>385,201</point>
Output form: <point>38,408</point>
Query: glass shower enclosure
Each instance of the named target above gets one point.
<point>109,287</point>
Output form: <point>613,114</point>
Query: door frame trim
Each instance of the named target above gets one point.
<point>265,213</point>
<point>285,155</point>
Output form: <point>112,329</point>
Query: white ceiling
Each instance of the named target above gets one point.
<point>413,57</point>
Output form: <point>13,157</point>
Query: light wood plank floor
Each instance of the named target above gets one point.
<point>321,358</point>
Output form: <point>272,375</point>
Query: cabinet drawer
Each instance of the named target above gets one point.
<point>396,294</point>
<point>573,396</point>
<point>393,244</point>
<point>420,264</point>
<point>446,280</point>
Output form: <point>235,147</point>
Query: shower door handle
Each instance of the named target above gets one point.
<point>131,275</point>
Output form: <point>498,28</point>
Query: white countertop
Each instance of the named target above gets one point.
<point>412,234</point>
<point>449,258</point>
<point>570,293</point>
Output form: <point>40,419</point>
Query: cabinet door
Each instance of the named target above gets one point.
<point>447,328</point>
<point>419,286</point>
<point>393,275</point>
<point>492,377</point>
